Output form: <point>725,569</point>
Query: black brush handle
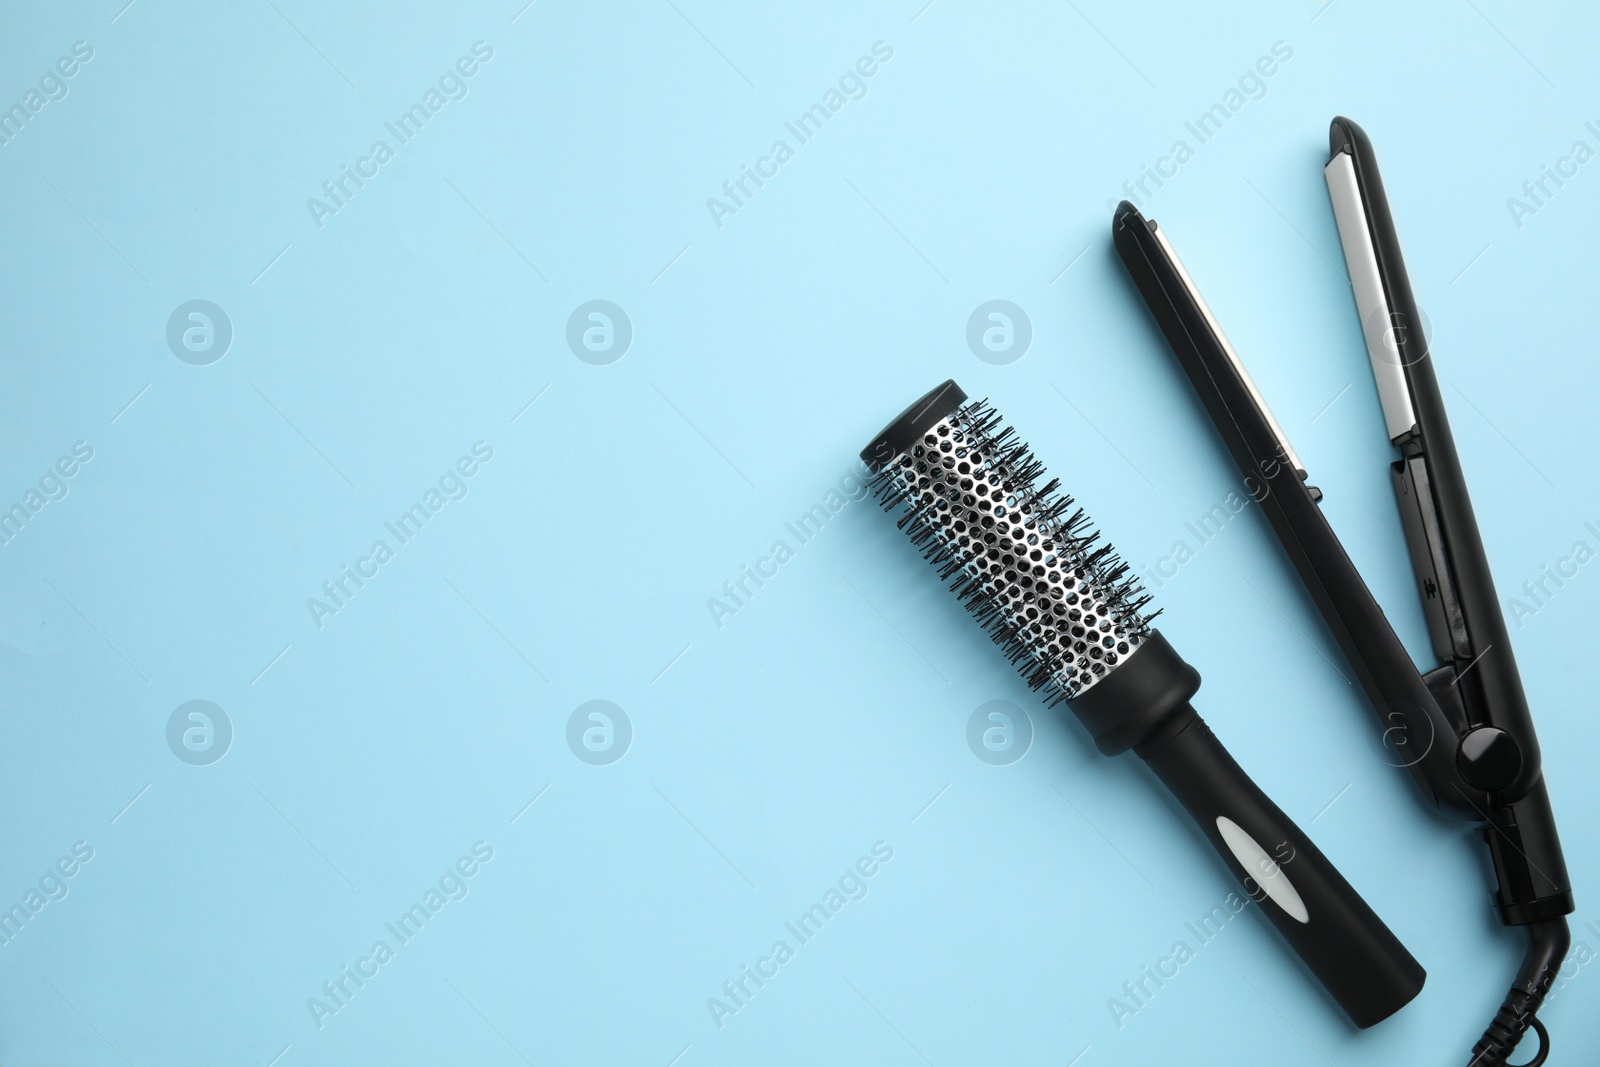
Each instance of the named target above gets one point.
<point>1342,941</point>
<point>1144,705</point>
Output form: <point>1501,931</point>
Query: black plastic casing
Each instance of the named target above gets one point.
<point>1497,688</point>
<point>908,427</point>
<point>1144,705</point>
<point>1466,624</point>
<point>1425,718</point>
<point>1408,713</point>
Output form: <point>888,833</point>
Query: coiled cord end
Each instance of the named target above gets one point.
<point>1549,940</point>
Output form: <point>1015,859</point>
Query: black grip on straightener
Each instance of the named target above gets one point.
<point>1144,705</point>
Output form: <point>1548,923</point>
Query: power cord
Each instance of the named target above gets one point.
<point>1548,941</point>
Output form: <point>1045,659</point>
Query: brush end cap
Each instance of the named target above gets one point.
<point>911,424</point>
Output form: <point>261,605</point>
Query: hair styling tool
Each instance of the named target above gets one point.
<point>1463,729</point>
<point>1066,612</point>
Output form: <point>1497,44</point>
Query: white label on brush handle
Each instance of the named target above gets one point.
<point>1262,869</point>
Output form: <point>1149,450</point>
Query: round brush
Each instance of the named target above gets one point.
<point>1068,614</point>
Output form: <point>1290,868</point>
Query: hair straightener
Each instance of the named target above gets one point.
<point>1462,729</point>
<point>1067,613</point>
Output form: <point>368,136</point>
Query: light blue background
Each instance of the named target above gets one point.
<point>768,754</point>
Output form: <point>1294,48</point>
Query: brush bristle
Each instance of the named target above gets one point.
<point>1028,565</point>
